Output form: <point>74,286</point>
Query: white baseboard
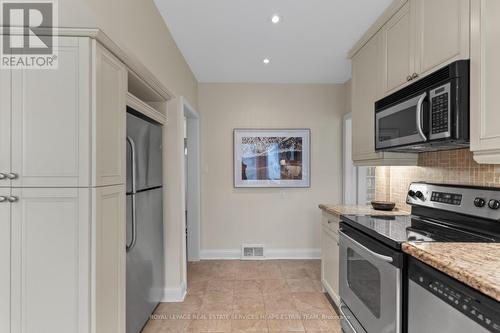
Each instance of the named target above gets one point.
<point>270,254</point>
<point>174,294</point>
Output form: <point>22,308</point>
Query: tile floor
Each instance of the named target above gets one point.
<point>249,296</point>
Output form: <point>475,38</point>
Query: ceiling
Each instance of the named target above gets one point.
<point>227,40</point>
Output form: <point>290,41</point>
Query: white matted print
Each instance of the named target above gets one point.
<point>272,158</point>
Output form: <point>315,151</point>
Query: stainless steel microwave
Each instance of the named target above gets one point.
<point>430,114</point>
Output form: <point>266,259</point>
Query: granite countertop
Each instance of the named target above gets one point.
<point>475,264</point>
<point>359,210</point>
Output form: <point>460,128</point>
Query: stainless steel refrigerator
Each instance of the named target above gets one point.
<point>145,251</point>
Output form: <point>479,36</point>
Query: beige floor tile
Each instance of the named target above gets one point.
<point>276,303</point>
<point>322,325</point>
<point>220,286</point>
<point>249,303</point>
<point>191,304</point>
<point>285,325</point>
<point>249,296</point>
<point>274,286</point>
<point>197,288</point>
<point>166,326</point>
<point>249,326</point>
<point>303,285</point>
<point>206,326</point>
<point>218,297</point>
<point>247,287</point>
<point>311,303</point>
<point>295,273</point>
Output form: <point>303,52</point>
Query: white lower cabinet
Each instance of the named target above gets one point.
<point>60,250</point>
<point>330,256</point>
<point>5,223</point>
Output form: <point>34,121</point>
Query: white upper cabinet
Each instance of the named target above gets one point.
<point>365,89</point>
<point>397,50</point>
<point>5,114</point>
<point>442,33</point>
<point>65,127</point>
<point>485,81</point>
<point>423,36</point>
<point>110,119</point>
<point>50,120</point>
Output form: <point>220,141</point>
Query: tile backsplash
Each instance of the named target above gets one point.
<point>450,167</point>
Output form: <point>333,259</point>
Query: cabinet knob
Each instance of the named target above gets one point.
<point>12,199</point>
<point>2,176</point>
<point>11,175</point>
<point>414,76</point>
<point>408,78</point>
<point>3,199</point>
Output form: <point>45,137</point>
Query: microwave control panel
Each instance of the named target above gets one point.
<point>440,111</point>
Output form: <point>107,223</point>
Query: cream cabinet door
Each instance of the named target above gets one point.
<point>330,263</point>
<point>110,118</point>
<point>50,284</point>
<point>110,255</point>
<point>442,33</point>
<point>51,119</point>
<point>5,115</point>
<point>397,50</point>
<point>5,260</point>
<point>485,81</point>
<point>365,76</point>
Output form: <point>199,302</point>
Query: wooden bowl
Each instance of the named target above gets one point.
<point>383,205</point>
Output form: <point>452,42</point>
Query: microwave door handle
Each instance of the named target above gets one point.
<point>419,115</point>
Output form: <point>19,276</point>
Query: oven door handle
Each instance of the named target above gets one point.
<point>346,318</point>
<point>419,115</point>
<point>373,253</point>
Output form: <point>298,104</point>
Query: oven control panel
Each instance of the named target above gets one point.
<point>482,202</point>
<point>447,198</point>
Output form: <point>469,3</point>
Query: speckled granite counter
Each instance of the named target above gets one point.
<point>359,210</point>
<point>475,264</point>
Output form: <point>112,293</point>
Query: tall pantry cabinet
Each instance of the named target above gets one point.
<point>62,195</point>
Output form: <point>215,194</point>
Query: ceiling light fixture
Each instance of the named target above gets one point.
<point>266,61</point>
<point>276,19</point>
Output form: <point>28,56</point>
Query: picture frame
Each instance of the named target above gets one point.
<point>272,158</point>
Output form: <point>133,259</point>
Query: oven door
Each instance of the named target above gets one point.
<point>370,283</point>
<point>403,124</point>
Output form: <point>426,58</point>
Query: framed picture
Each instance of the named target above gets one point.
<point>272,158</point>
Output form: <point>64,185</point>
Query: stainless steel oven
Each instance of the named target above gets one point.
<point>430,114</point>
<point>370,284</point>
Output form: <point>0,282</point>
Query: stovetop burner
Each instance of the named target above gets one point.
<point>394,230</point>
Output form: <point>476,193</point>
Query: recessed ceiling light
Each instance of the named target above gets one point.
<point>275,19</point>
<point>266,61</point>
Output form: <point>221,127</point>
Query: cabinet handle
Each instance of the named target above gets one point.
<point>12,175</point>
<point>408,78</point>
<point>3,199</point>
<point>2,176</point>
<point>12,199</point>
<point>414,76</point>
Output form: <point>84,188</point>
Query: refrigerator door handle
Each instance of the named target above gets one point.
<point>130,246</point>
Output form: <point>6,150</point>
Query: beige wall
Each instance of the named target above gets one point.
<point>137,26</point>
<point>279,218</point>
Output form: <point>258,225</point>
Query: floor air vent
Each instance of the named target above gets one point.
<point>252,252</point>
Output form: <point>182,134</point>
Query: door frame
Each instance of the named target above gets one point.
<point>193,180</point>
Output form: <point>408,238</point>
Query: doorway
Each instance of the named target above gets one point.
<point>192,180</point>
